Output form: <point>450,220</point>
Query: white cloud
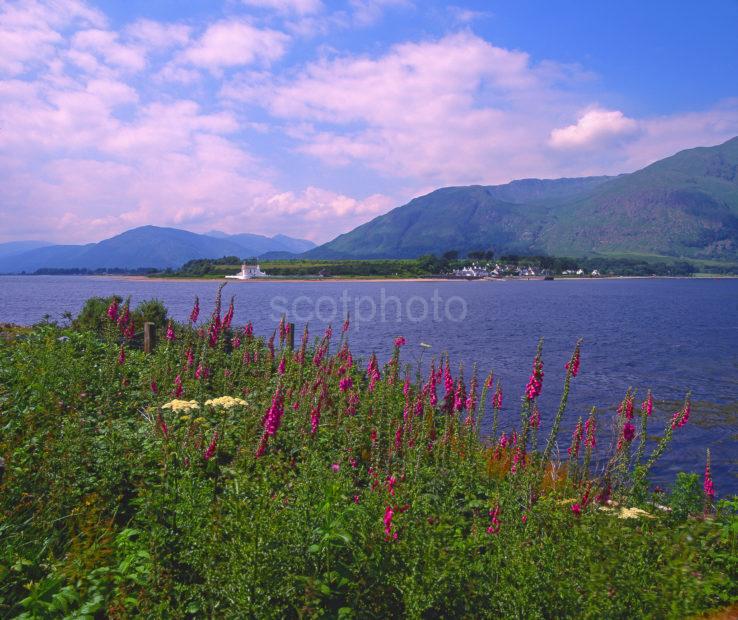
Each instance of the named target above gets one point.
<point>367,12</point>
<point>446,110</point>
<point>158,35</point>
<point>230,43</point>
<point>104,44</point>
<point>30,30</point>
<point>301,7</point>
<point>592,129</point>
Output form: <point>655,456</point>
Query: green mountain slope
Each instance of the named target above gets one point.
<point>685,205</point>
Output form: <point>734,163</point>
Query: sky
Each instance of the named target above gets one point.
<point>310,117</point>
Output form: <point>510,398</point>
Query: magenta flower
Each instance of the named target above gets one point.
<point>448,381</point>
<point>122,356</point>
<point>154,387</point>
<point>590,429</point>
<point>576,509</point>
<point>497,398</point>
<point>708,486</point>
<point>112,311</point>
<point>459,395</point>
<point>177,387</point>
<point>387,520</point>
<point>626,407</point>
<point>210,450</point>
<point>535,383</point>
<point>190,358</point>
<point>195,311</point>
<point>535,417</point>
<point>228,317</point>
<point>494,520</point>
<point>336,467</point>
<point>573,365</point>
<point>398,438</point>
<point>576,440</point>
<point>680,418</point>
<point>345,384</point>
<point>372,372</point>
<point>628,431</point>
<point>346,325</point>
<point>170,332</point>
<point>272,420</point>
<point>400,341</point>
<point>124,318</point>
<point>163,426</point>
<point>647,405</point>
<point>314,420</point>
<point>281,367</point>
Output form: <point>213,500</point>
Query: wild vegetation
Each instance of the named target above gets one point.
<point>232,475</point>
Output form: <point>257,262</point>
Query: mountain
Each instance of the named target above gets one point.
<point>17,247</point>
<point>683,206</point>
<point>146,246</point>
<point>261,245</point>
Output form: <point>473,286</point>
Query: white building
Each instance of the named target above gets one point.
<point>248,272</point>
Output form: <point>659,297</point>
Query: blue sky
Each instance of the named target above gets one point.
<point>309,117</point>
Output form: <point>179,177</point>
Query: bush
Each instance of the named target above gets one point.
<point>92,317</point>
<point>151,310</point>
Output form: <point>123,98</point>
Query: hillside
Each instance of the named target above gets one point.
<point>147,246</point>
<point>682,206</point>
<point>11,248</point>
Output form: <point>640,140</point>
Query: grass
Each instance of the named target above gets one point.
<point>328,487</point>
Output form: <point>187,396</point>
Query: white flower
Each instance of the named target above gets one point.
<point>181,405</point>
<point>226,402</point>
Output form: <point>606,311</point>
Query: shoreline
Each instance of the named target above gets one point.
<point>375,279</point>
<point>136,278</point>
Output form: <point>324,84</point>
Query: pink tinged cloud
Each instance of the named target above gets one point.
<point>158,36</point>
<point>592,129</point>
<point>230,43</point>
<point>104,44</point>
<point>29,30</point>
<point>418,108</point>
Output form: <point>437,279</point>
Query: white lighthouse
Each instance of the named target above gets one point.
<point>248,272</point>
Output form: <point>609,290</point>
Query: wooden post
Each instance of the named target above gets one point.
<point>149,337</point>
<point>291,336</point>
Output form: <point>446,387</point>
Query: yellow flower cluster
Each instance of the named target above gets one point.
<point>226,402</point>
<point>181,405</point>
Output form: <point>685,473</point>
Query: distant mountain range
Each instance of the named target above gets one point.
<point>147,246</point>
<point>682,206</point>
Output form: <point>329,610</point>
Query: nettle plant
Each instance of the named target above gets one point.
<point>227,473</point>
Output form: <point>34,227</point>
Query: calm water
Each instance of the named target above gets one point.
<point>667,335</point>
